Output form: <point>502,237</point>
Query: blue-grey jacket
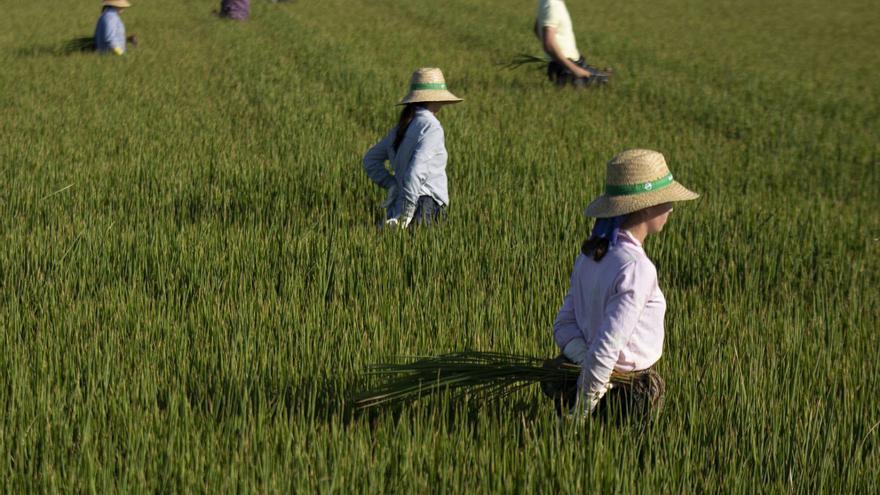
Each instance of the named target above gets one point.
<point>419,164</point>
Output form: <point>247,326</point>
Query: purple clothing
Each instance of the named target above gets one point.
<point>235,9</point>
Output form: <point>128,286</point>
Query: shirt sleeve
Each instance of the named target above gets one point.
<point>374,161</point>
<point>548,15</point>
<point>565,327</point>
<point>429,145</point>
<point>623,308</point>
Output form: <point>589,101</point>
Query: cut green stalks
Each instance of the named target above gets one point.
<point>486,376</point>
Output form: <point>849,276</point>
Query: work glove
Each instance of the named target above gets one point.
<point>403,220</point>
<point>406,216</point>
<point>576,351</point>
<point>586,401</point>
<point>390,196</point>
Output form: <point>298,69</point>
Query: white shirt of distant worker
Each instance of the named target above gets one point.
<point>553,27</point>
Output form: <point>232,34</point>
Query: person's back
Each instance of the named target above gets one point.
<point>425,129</point>
<point>110,32</point>
<point>238,10</point>
<point>554,13</point>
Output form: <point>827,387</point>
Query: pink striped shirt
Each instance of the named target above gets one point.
<point>617,307</point>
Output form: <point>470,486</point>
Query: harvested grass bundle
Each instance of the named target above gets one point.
<point>486,376</point>
<point>525,59</point>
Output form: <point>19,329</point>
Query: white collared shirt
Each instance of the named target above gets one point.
<point>617,307</point>
<point>554,13</point>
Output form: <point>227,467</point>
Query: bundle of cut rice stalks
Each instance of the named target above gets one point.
<point>526,60</point>
<point>485,376</point>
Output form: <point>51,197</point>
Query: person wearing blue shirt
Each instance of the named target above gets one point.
<point>418,190</point>
<point>110,32</point>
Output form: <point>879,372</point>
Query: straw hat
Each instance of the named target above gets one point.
<point>637,179</point>
<point>119,4</point>
<point>427,84</point>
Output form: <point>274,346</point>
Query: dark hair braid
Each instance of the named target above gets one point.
<point>595,247</point>
<point>406,116</point>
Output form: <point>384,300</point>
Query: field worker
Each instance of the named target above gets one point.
<point>110,32</point>
<point>611,319</point>
<point>238,10</point>
<point>417,192</point>
<point>566,65</point>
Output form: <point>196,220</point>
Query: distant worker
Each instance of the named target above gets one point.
<point>110,32</point>
<point>417,192</point>
<point>611,320</point>
<point>566,65</point>
<point>238,10</point>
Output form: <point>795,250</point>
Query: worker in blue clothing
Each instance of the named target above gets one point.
<point>110,31</point>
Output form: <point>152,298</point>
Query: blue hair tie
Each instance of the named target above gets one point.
<point>608,228</point>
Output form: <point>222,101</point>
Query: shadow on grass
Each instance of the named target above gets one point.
<point>85,44</point>
<point>222,399</point>
<point>225,401</point>
<point>456,414</point>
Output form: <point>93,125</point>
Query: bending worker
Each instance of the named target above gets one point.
<point>566,65</point>
<point>416,148</point>
<point>110,32</point>
<point>238,10</point>
<point>611,320</point>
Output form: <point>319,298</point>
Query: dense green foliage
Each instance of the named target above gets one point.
<point>190,279</point>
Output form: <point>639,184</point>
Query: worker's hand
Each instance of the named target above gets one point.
<point>587,401</point>
<point>133,40</point>
<point>596,397</point>
<point>576,351</point>
<point>390,196</point>
<point>406,216</point>
<point>403,220</point>
<point>582,73</point>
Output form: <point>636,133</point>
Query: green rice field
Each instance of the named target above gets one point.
<point>192,283</point>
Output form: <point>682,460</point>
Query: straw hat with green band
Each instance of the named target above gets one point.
<point>637,179</point>
<point>120,4</point>
<point>427,84</point>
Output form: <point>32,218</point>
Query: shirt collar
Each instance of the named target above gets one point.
<point>629,237</point>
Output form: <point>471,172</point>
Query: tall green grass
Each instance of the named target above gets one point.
<point>190,279</point>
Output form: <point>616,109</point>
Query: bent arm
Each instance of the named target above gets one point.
<point>548,40</point>
<point>374,162</point>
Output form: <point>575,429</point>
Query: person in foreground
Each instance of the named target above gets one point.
<point>566,65</point>
<point>611,321</point>
<point>110,31</point>
<point>417,191</point>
